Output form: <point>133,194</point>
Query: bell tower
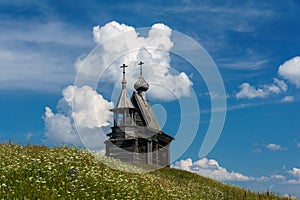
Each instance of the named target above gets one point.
<point>124,110</point>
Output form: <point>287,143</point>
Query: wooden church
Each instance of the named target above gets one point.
<point>136,135</point>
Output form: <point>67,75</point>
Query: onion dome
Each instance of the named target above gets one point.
<point>141,85</point>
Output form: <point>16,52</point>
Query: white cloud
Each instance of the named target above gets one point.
<point>288,99</point>
<point>291,70</point>
<point>184,164</point>
<point>28,137</point>
<point>250,64</point>
<point>282,85</point>
<point>293,181</point>
<point>81,114</point>
<point>248,91</point>
<point>263,179</point>
<point>274,147</point>
<point>257,150</point>
<point>59,129</point>
<point>273,179</point>
<point>210,168</point>
<point>295,172</point>
<point>51,32</point>
<point>31,57</point>
<point>272,89</point>
<point>120,43</point>
<point>278,176</point>
<point>89,109</point>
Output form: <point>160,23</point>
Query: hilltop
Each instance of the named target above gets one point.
<point>39,172</point>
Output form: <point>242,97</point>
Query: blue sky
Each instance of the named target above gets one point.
<point>254,45</point>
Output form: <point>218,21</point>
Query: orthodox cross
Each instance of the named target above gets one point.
<point>123,66</point>
<point>141,67</point>
<point>124,81</point>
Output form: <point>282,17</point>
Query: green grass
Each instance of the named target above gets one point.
<point>38,172</point>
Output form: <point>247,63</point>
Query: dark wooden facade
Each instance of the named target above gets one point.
<point>136,135</point>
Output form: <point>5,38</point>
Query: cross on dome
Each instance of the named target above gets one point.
<point>141,67</point>
<point>141,85</point>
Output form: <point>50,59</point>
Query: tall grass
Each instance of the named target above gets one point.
<point>38,172</point>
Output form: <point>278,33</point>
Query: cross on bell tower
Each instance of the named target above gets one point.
<point>124,73</point>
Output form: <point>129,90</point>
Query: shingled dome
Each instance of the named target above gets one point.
<point>141,85</point>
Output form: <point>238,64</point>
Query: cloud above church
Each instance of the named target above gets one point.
<point>119,43</point>
<point>81,113</point>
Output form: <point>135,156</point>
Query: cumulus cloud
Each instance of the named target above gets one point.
<point>59,129</point>
<point>120,43</point>
<point>291,70</point>
<point>293,181</point>
<point>210,168</point>
<point>295,172</point>
<point>288,99</point>
<point>89,109</point>
<point>249,92</point>
<point>274,147</point>
<point>281,84</point>
<point>278,176</point>
<point>81,114</point>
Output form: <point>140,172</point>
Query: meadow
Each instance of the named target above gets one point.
<point>39,172</point>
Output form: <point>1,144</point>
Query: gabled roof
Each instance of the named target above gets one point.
<point>124,100</point>
<point>146,111</point>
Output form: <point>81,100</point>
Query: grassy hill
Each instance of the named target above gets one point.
<point>38,172</point>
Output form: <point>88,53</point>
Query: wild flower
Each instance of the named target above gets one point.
<point>37,172</point>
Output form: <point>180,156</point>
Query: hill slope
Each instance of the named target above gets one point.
<point>38,172</point>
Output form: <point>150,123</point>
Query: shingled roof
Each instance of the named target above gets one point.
<point>124,100</point>
<point>148,115</point>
